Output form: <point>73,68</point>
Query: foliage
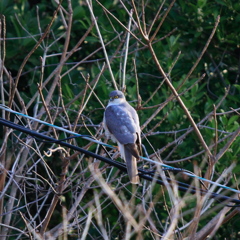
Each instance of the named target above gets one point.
<point>64,62</point>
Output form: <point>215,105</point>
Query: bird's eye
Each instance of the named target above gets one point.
<point>115,96</point>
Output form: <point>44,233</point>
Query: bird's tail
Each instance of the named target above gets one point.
<point>131,163</point>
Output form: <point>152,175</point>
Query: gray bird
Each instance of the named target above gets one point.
<point>121,124</point>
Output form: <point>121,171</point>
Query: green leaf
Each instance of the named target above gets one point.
<point>194,89</point>
<point>79,12</point>
<point>201,3</point>
<point>233,119</point>
<point>69,91</point>
<point>91,39</point>
<point>236,169</point>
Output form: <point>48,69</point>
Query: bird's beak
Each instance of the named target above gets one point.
<point>111,99</point>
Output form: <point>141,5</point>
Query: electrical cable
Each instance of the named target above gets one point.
<point>89,138</point>
<point>142,173</point>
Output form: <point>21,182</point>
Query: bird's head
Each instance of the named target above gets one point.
<point>116,97</point>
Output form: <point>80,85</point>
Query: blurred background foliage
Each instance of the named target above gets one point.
<point>193,20</point>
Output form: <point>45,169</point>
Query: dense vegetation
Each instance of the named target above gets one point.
<point>182,74</point>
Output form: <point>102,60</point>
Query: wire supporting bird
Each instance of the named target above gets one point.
<point>121,124</point>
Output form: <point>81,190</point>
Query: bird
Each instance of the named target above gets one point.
<point>121,124</point>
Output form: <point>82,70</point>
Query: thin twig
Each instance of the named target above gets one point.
<point>53,73</point>
<point>126,50</point>
<point>180,102</point>
<point>216,132</point>
<point>30,53</point>
<point>138,21</point>
<point>102,43</point>
<point>121,23</point>
<point>163,19</point>
<point>155,18</point>
<point>228,144</point>
<point>203,51</point>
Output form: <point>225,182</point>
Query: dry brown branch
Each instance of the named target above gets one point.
<point>120,205</point>
<point>120,23</point>
<point>53,73</point>
<point>30,53</point>
<point>59,190</point>
<point>190,130</point>
<point>102,43</point>
<point>213,225</point>
<point>161,22</point>
<point>202,52</point>
<point>47,195</point>
<point>228,144</point>
<point>181,103</point>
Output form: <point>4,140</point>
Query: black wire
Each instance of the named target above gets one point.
<point>60,140</point>
<point>142,173</point>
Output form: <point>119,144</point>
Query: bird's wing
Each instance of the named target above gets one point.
<point>121,124</point>
<point>135,117</point>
